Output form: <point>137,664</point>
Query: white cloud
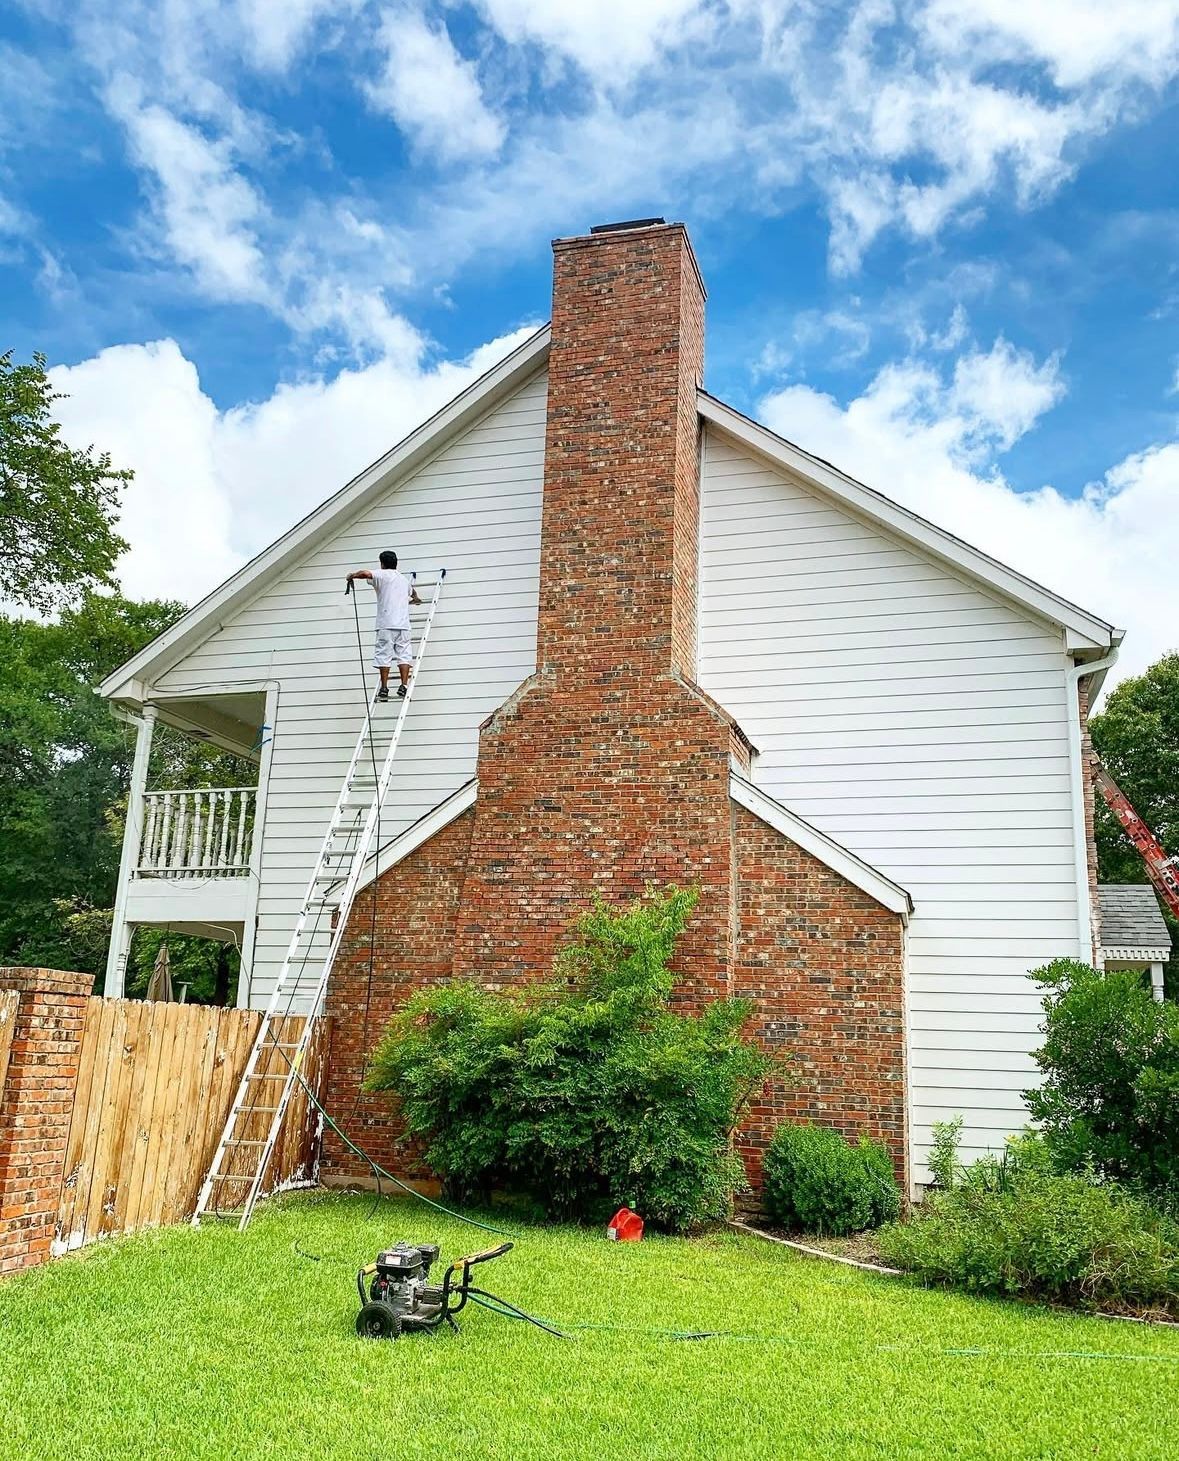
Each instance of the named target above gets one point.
<point>212,488</point>
<point>207,210</point>
<point>610,39</point>
<point>431,91</point>
<point>1077,41</point>
<point>928,438</point>
<point>278,30</point>
<point>906,116</point>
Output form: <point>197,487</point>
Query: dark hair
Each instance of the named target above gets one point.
<point>388,559</point>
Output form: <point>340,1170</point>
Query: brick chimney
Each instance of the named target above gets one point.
<point>609,768</point>
<point>621,481</point>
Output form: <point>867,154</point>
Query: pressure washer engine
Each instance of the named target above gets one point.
<point>399,1296</point>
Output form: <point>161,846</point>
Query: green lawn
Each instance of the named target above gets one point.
<point>210,1344</point>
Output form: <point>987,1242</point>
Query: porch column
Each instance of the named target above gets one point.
<point>1156,982</point>
<point>116,961</point>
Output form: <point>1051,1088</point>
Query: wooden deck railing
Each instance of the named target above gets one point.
<point>203,833</point>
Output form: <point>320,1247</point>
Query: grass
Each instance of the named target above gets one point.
<point>210,1344</point>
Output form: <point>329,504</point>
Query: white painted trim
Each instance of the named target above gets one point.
<point>426,441</point>
<point>1157,981</point>
<point>1136,953</point>
<point>887,893</point>
<point>1091,632</point>
<point>250,922</point>
<point>120,944</point>
<point>379,863</point>
<point>1072,679</point>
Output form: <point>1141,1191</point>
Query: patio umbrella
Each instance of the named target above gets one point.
<point>160,984</point>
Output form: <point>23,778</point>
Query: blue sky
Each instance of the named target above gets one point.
<point>259,241</point>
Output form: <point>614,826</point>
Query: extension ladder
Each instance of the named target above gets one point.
<point>240,1161</point>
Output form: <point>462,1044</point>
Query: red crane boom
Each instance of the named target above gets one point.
<point>1163,870</point>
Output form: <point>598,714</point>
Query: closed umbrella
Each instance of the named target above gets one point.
<point>160,984</point>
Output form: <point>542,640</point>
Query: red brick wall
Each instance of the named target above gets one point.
<point>824,965</point>
<point>416,906</point>
<point>36,1103</point>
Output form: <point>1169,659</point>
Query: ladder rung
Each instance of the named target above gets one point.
<point>273,1075</point>
<point>241,1141</point>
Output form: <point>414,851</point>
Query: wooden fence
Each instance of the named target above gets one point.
<point>155,1083</point>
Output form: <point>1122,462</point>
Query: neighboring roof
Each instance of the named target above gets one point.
<point>857,872</point>
<point>420,445</point>
<point>1089,631</point>
<point>1131,920</point>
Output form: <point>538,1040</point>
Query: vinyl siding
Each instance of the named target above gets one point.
<point>473,509</point>
<point>922,723</point>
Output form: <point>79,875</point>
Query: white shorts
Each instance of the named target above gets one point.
<point>392,647</point>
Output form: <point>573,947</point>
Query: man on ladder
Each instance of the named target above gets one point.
<point>395,593</point>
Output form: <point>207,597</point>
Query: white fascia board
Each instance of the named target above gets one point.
<point>860,874</point>
<point>379,863</point>
<point>426,441</point>
<point>1137,953</point>
<point>1084,631</point>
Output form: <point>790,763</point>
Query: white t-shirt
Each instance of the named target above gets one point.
<point>392,599</point>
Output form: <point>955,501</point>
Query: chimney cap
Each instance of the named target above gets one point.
<point>629,223</point>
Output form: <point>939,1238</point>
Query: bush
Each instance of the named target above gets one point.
<point>1064,1238</point>
<point>1110,1096</point>
<point>816,1181</point>
<point>585,1092</point>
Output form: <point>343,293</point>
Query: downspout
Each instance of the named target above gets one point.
<point>1074,676</point>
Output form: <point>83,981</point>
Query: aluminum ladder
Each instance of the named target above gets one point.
<point>332,888</point>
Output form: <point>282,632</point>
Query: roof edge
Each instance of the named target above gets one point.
<point>428,825</point>
<point>854,869</point>
<point>423,441</point>
<point>909,525</point>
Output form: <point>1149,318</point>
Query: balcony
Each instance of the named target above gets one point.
<point>202,833</point>
<point>192,869</point>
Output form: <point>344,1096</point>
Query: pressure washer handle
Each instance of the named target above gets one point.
<point>483,1257</point>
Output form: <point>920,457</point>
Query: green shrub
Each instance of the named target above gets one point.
<point>816,1181</point>
<point>1064,1238</point>
<point>943,1152</point>
<point>585,1092</point>
<point>1110,1095</point>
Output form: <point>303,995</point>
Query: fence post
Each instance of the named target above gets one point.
<point>36,1103</point>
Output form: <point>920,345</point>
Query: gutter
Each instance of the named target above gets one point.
<point>1073,677</point>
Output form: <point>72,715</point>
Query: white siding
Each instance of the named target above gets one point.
<point>474,510</point>
<point>923,724</point>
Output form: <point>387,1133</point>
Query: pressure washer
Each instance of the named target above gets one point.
<point>399,1297</point>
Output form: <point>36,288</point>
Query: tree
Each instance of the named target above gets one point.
<point>58,505</point>
<point>63,789</point>
<point>1136,735</point>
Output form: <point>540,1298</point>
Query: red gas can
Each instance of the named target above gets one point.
<point>625,1226</point>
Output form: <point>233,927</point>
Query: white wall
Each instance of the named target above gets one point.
<point>923,724</point>
<point>475,510</point>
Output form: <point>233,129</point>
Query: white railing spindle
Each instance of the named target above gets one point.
<point>205,832</point>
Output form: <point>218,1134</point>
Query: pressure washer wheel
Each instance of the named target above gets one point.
<point>378,1320</point>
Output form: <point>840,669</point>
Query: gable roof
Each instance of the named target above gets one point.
<point>1085,631</point>
<point>422,443</point>
<point>1132,921</point>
